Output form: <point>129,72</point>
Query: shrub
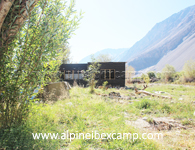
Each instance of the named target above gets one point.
<point>168,73</point>
<point>90,74</point>
<point>166,108</point>
<point>189,71</point>
<point>32,58</point>
<point>151,74</point>
<point>146,78</point>
<point>104,84</point>
<point>144,104</point>
<point>158,75</point>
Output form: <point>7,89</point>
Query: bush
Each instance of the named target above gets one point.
<point>32,58</point>
<point>146,78</point>
<point>90,74</point>
<point>151,74</point>
<point>144,104</point>
<point>158,75</point>
<point>168,73</point>
<point>189,71</point>
<point>166,108</point>
<point>104,85</point>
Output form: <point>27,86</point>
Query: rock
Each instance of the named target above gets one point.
<point>145,118</point>
<point>121,101</point>
<point>57,90</point>
<point>139,123</point>
<point>114,94</point>
<point>159,92</point>
<point>70,104</point>
<point>180,98</point>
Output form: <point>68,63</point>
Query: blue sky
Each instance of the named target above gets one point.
<point>118,23</point>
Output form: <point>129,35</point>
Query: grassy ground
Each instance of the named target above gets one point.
<point>84,113</point>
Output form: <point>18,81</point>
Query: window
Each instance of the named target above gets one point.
<point>80,76</point>
<point>102,74</point>
<point>70,75</point>
<point>76,76</point>
<point>107,74</point>
<point>112,74</point>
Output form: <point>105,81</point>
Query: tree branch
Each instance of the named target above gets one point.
<point>4,9</point>
<point>8,34</point>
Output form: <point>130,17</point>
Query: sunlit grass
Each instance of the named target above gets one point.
<point>84,112</point>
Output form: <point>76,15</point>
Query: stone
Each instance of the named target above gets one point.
<point>70,104</point>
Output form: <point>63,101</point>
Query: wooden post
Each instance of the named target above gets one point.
<point>69,74</point>
<point>64,75</point>
<point>72,74</point>
<point>109,74</point>
<point>104,74</point>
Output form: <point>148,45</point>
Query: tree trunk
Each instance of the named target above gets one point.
<point>5,6</point>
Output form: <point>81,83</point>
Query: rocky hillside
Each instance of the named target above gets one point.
<point>171,41</point>
<point>168,42</point>
<point>115,54</point>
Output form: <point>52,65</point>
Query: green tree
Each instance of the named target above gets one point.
<point>151,74</point>
<point>104,85</point>
<point>130,72</point>
<point>168,73</point>
<point>32,54</point>
<point>189,70</point>
<point>65,57</point>
<point>89,75</point>
<point>146,78</point>
<point>158,75</point>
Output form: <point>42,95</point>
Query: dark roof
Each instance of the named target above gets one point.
<point>73,66</point>
<point>82,66</point>
<point>108,62</point>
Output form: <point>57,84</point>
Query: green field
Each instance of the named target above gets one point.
<point>84,112</point>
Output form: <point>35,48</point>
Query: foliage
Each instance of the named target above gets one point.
<point>168,73</point>
<point>33,57</point>
<point>76,118</point>
<point>166,108</point>
<point>143,76</point>
<point>130,72</point>
<point>65,56</point>
<point>90,74</point>
<point>104,84</point>
<point>104,58</point>
<point>77,115</point>
<point>146,78</point>
<point>158,75</point>
<point>144,104</point>
<point>189,70</point>
<point>151,74</point>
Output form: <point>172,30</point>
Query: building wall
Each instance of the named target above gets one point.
<point>118,67</point>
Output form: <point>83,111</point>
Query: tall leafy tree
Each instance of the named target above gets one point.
<point>91,72</point>
<point>168,73</point>
<point>31,45</point>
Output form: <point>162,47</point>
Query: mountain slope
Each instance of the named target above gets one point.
<point>163,38</point>
<point>179,56</point>
<point>115,54</point>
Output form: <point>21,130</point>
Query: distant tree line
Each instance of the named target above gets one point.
<point>168,74</point>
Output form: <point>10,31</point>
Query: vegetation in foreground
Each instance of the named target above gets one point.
<point>84,112</point>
